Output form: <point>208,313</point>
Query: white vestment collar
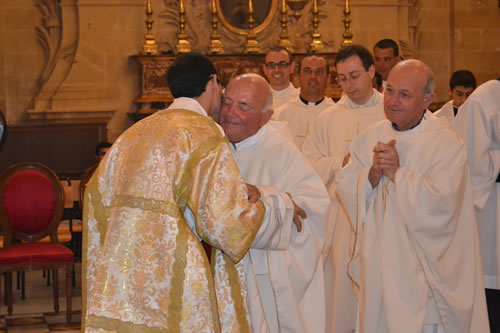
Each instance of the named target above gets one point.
<point>374,100</point>
<point>188,104</point>
<point>272,127</point>
<point>283,92</point>
<point>191,104</point>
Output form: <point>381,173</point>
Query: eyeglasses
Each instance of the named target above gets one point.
<point>353,76</point>
<point>281,64</point>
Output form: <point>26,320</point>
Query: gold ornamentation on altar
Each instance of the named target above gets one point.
<point>284,41</point>
<point>183,45</point>
<point>150,46</point>
<point>252,45</point>
<point>347,35</point>
<point>316,45</point>
<point>296,6</point>
<point>216,46</point>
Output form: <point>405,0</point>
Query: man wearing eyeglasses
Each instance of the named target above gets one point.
<point>278,68</point>
<point>300,111</point>
<point>327,147</point>
<point>415,262</point>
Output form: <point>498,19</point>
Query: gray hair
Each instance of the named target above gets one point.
<point>430,84</point>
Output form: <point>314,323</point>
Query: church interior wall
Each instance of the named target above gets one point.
<point>82,71</point>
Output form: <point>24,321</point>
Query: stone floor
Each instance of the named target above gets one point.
<point>36,312</point>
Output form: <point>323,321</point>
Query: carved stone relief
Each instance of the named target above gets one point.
<point>59,37</point>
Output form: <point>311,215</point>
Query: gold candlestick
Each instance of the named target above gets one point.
<point>284,41</point>
<point>183,45</point>
<point>149,46</point>
<point>347,35</point>
<point>316,45</point>
<point>216,46</point>
<point>252,45</point>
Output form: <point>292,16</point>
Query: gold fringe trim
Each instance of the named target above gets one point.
<point>234,283</point>
<point>116,325</point>
<point>156,206</point>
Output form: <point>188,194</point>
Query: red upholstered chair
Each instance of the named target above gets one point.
<point>31,206</point>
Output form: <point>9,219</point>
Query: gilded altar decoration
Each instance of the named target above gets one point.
<point>183,45</point>
<point>296,6</point>
<point>316,45</point>
<point>252,45</point>
<point>284,41</point>
<point>347,35</point>
<point>216,46</point>
<point>149,46</point>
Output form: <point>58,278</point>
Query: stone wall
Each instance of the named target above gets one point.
<point>74,65</point>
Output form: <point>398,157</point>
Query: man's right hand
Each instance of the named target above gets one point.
<point>253,193</point>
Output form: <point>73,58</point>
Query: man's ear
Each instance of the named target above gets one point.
<point>266,117</point>
<point>428,98</point>
<point>371,71</point>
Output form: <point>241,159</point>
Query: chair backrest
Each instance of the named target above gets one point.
<point>31,202</point>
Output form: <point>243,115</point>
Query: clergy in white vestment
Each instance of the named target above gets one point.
<point>284,269</point>
<point>278,67</point>
<point>478,122</point>
<point>408,193</point>
<point>327,147</point>
<point>301,110</point>
<point>462,84</point>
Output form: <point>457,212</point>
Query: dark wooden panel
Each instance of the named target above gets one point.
<point>67,149</point>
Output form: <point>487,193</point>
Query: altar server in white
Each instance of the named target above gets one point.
<point>462,84</point>
<point>327,147</point>
<point>408,192</point>
<point>284,270</point>
<point>278,68</point>
<point>478,122</point>
<point>301,110</point>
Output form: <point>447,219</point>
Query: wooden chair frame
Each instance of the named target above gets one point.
<point>51,230</point>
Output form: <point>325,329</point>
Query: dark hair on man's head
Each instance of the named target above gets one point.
<point>101,145</point>
<point>279,49</point>
<point>317,56</point>
<point>463,78</point>
<point>386,44</point>
<point>188,75</point>
<point>355,50</point>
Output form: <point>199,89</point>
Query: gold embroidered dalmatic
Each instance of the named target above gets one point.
<point>144,268</point>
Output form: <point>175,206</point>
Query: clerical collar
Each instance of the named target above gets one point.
<point>306,102</point>
<point>395,127</point>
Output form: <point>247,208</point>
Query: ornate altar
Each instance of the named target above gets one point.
<point>154,93</point>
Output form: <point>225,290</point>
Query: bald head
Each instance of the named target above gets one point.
<point>259,86</point>
<point>410,90</point>
<point>246,106</point>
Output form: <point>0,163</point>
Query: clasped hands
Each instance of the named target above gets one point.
<point>385,162</point>
<point>298,213</point>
